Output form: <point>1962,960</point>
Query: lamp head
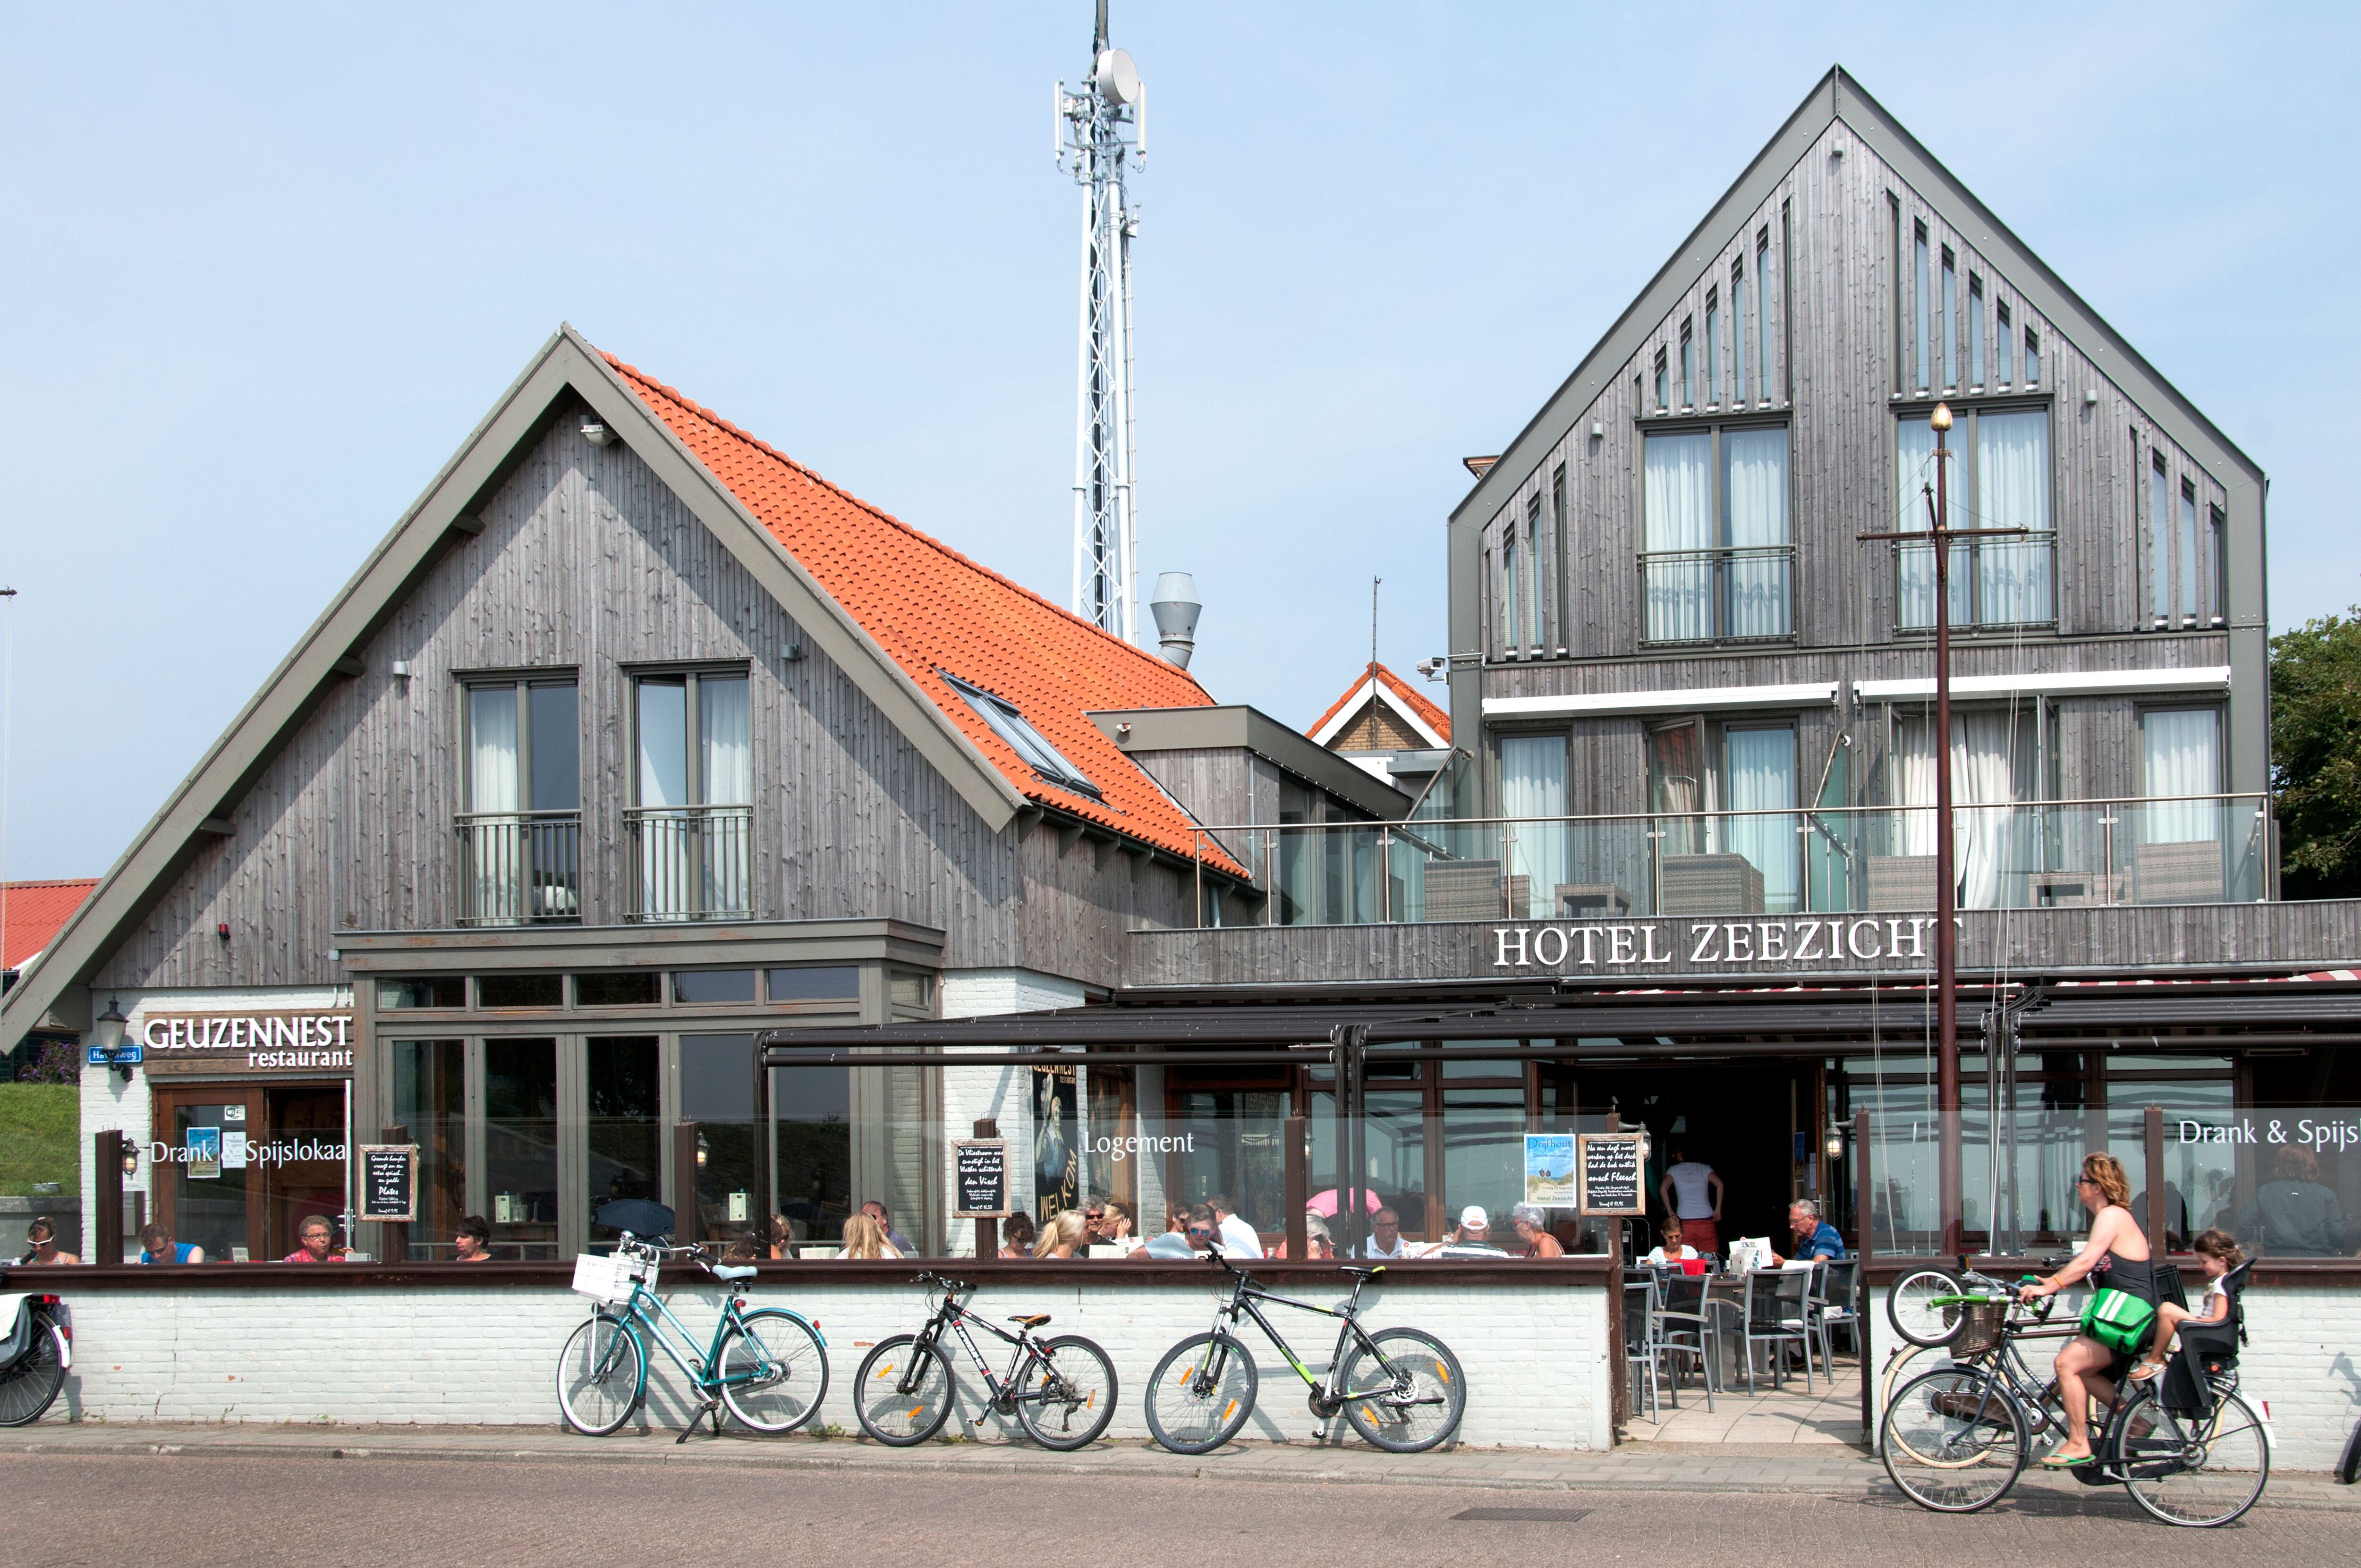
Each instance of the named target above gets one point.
<point>108,1025</point>
<point>1942,418</point>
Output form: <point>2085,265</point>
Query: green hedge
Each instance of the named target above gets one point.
<point>40,1133</point>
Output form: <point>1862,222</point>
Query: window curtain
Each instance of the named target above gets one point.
<point>2013,491</point>
<point>726,772</point>
<point>496,850</point>
<point>1762,775</point>
<point>2182,750</point>
<point>1532,785</point>
<point>1913,469</point>
<point>1678,493</point>
<point>663,789</point>
<point>1987,780</point>
<point>1754,517</point>
<point>1675,788</point>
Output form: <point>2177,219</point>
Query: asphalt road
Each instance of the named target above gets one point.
<point>104,1512</point>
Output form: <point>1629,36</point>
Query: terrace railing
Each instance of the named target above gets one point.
<point>520,868</point>
<point>690,862</point>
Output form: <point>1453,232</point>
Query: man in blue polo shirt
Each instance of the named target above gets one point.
<point>1815,1238</point>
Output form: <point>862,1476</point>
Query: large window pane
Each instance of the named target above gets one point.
<point>1676,787</point>
<point>722,726</point>
<point>1484,1153</point>
<point>663,742</point>
<point>1678,499</point>
<point>493,778</point>
<point>1532,785</point>
<point>625,1129</point>
<point>2013,491</point>
<point>556,748</point>
<point>1762,775</point>
<point>814,1109</point>
<point>521,1145</point>
<point>717,1093</point>
<point>1754,517</point>
<point>2182,750</point>
<point>2159,522</point>
<point>1393,1132</point>
<point>430,1098</point>
<point>1914,471</point>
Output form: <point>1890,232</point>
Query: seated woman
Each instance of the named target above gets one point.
<point>2114,1258</point>
<point>865,1238</point>
<point>2217,1253</point>
<point>1671,1250</point>
<point>1061,1234</point>
<point>1017,1236</point>
<point>1532,1225</point>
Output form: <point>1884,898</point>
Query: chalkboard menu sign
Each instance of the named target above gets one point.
<point>1611,1164</point>
<point>981,1173</point>
<point>389,1181</point>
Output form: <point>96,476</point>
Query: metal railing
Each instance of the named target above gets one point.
<point>690,862</point>
<point>1718,596</point>
<point>2023,855</point>
<point>1995,583</point>
<point>520,868</point>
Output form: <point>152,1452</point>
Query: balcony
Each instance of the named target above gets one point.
<point>690,862</point>
<point>1995,583</point>
<point>2030,855</point>
<point>520,868</point>
<point>1719,595</point>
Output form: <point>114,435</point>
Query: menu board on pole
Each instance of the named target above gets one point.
<point>981,1177</point>
<point>390,1182</point>
<point>1611,1164</point>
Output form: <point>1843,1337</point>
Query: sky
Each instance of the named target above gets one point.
<point>267,267</point>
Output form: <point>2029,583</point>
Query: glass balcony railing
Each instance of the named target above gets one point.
<point>520,868</point>
<point>2034,855</point>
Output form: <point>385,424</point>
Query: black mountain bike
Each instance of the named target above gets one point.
<point>40,1345</point>
<point>1399,1388</point>
<point>1062,1391</point>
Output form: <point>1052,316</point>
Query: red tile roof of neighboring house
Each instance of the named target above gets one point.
<point>935,611</point>
<point>1400,690</point>
<point>33,912</point>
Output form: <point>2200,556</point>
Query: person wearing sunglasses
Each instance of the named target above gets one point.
<point>2114,1258</point>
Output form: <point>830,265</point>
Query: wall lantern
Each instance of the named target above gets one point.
<point>111,1049</point>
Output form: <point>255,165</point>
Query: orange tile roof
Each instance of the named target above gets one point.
<point>1401,690</point>
<point>33,914</point>
<point>935,611</point>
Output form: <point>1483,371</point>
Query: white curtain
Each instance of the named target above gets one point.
<point>2013,491</point>
<point>2182,750</point>
<point>1913,469</point>
<point>1762,777</point>
<point>727,761</point>
<point>1984,790</point>
<point>664,782</point>
<point>1532,785</point>
<point>1754,513</point>
<point>496,850</point>
<point>1677,496</point>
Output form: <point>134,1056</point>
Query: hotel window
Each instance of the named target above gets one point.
<point>2159,548</point>
<point>1762,315</point>
<point>1999,478</point>
<point>1532,791</point>
<point>1924,303</point>
<point>1663,378</point>
<point>1027,742</point>
<point>693,815</point>
<point>2217,531</point>
<point>1712,348</point>
<point>1994,762</point>
<point>2032,357</point>
<point>1759,775</point>
<point>1533,570</point>
<point>1559,542</point>
<point>1975,331</point>
<point>1737,329</point>
<point>1689,368</point>
<point>1718,559</point>
<point>520,821</point>
<point>2181,756</point>
<point>1950,320</point>
<point>1510,593</point>
<point>2187,538</point>
<point>2003,339</point>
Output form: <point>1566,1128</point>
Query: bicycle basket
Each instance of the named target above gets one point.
<point>609,1278</point>
<point>1979,1324</point>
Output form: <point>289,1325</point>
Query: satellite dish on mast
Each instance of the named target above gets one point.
<point>1117,78</point>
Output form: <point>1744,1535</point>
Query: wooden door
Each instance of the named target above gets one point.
<point>208,1187</point>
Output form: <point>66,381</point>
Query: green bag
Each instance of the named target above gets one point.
<point>2120,1321</point>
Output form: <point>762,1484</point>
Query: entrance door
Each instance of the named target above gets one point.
<point>304,1125</point>
<point>206,1186</point>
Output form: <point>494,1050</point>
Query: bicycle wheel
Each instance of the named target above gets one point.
<point>904,1392</point>
<point>2192,1470</point>
<point>774,1371</point>
<point>29,1384</point>
<point>1065,1396</point>
<point>1903,1364</point>
<point>1202,1393</point>
<point>602,1373</point>
<point>1953,1439</point>
<point>1910,1306</point>
<point>1407,1395</point>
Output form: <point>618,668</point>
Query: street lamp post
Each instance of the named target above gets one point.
<point>1947,1181</point>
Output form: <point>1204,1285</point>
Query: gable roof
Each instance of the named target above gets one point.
<point>937,613</point>
<point>32,913</point>
<point>1380,685</point>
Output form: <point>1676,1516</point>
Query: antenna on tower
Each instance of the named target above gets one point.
<point>1099,129</point>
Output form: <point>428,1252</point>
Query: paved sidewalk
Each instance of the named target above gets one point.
<point>1818,1469</point>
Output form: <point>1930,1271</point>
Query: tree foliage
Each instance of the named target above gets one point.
<point>2316,756</point>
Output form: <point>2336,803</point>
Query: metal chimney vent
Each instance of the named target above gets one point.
<point>1175,608</point>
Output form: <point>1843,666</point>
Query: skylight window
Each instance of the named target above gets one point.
<point>1023,739</point>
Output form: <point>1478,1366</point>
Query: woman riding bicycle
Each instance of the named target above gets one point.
<point>2114,1258</point>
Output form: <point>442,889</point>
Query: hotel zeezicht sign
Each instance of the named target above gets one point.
<point>246,1042</point>
<point>1803,943</point>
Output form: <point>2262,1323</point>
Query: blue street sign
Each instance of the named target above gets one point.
<point>128,1056</point>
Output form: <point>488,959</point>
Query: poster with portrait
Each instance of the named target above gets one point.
<point>1057,1142</point>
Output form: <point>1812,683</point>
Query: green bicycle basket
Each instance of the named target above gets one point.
<point>2120,1321</point>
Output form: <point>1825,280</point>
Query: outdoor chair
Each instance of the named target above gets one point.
<point>1680,1325</point>
<point>1775,1317</point>
<point>1639,1350</point>
<point>1834,1304</point>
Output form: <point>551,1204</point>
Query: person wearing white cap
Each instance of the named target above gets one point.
<point>1471,1238</point>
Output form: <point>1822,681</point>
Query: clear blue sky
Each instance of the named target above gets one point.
<point>266,269</point>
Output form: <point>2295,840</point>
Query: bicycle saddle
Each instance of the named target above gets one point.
<point>1029,1320</point>
<point>729,1271</point>
<point>1365,1273</point>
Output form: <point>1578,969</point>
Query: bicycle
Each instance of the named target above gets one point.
<point>1956,1439</point>
<point>1061,1390</point>
<point>768,1368</point>
<point>1409,1400</point>
<point>35,1350</point>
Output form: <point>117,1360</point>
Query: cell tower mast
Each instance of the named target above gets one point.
<point>1101,131</point>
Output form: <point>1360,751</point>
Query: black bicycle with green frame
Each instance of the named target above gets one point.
<point>1402,1388</point>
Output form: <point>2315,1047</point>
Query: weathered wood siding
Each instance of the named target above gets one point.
<point>588,562</point>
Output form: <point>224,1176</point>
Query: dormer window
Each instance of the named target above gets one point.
<point>1027,741</point>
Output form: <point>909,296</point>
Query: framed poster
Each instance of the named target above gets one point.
<point>1057,1138</point>
<point>1550,1170</point>
<point>388,1182</point>
<point>1611,1165</point>
<point>980,1170</point>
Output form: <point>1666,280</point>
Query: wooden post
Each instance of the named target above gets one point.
<point>1299,1192</point>
<point>987,1231</point>
<point>1615,1347</point>
<point>2155,1217</point>
<point>683,1183</point>
<point>1864,1235</point>
<point>106,1225</point>
<point>393,1236</point>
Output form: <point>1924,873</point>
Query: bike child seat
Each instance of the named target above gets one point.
<point>1029,1320</point>
<point>731,1272</point>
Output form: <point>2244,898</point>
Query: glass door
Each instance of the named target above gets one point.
<point>520,1151</point>
<point>205,1183</point>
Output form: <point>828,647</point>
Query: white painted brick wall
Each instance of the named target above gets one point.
<point>1535,1357</point>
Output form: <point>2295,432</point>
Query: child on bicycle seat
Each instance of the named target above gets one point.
<point>2217,1253</point>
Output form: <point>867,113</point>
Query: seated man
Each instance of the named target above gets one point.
<point>1385,1238</point>
<point>156,1245</point>
<point>1200,1232</point>
<point>1472,1237</point>
<point>316,1241</point>
<point>1815,1238</point>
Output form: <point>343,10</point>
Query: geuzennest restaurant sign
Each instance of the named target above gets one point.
<point>1801,943</point>
<point>256,1042</point>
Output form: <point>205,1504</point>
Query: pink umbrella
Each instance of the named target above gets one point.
<point>1327,1204</point>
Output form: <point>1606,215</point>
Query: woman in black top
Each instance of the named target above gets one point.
<point>2114,1258</point>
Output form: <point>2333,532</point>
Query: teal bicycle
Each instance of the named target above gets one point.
<point>767,1367</point>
